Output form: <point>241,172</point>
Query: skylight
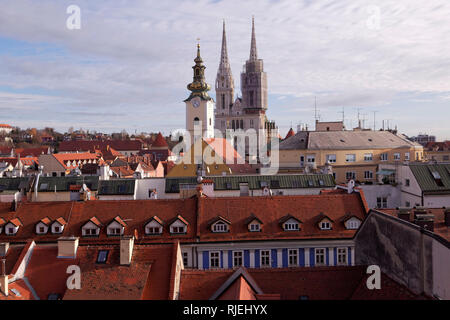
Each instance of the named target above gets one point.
<point>102,256</point>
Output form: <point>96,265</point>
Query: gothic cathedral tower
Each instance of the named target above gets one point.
<point>224,81</point>
<point>199,105</point>
<point>254,79</point>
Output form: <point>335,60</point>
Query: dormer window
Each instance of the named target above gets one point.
<point>220,224</point>
<point>324,222</point>
<point>12,227</point>
<point>290,223</point>
<point>254,224</point>
<point>43,226</point>
<point>57,227</point>
<point>291,226</point>
<point>154,226</point>
<point>352,223</point>
<point>178,226</point>
<point>255,227</point>
<point>116,227</point>
<point>91,228</point>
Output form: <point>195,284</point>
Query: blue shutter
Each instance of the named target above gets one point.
<point>221,259</point>
<point>285,258</point>
<point>301,257</point>
<point>205,259</point>
<point>274,257</point>
<point>257,259</point>
<point>327,256</point>
<point>335,256</point>
<point>312,258</point>
<point>349,254</point>
<point>247,258</point>
<point>230,259</point>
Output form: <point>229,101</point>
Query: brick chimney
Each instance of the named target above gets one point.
<point>404,214</point>
<point>126,250</point>
<point>4,279</point>
<point>447,217</point>
<point>4,246</point>
<point>67,247</point>
<point>425,221</point>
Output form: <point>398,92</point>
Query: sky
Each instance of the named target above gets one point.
<point>128,65</point>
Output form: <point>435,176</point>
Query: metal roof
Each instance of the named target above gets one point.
<point>432,178</point>
<point>289,181</point>
<point>61,184</point>
<point>116,187</point>
<point>15,183</point>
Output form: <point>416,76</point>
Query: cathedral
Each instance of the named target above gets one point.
<point>248,111</point>
<point>228,112</point>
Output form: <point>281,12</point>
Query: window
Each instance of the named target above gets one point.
<point>350,175</point>
<point>293,257</point>
<point>115,231</point>
<point>237,259</point>
<point>90,232</point>
<point>384,157</point>
<point>320,257</point>
<point>368,157</point>
<point>310,158</point>
<point>325,225</point>
<point>255,227</point>
<point>381,202</point>
<point>407,182</point>
<point>407,204</point>
<point>185,259</point>
<point>102,256</point>
<point>275,184</point>
<point>265,258</point>
<point>350,157</point>
<point>251,98</point>
<point>331,158</point>
<point>353,224</point>
<point>406,156</point>
<point>368,175</point>
<point>396,156</point>
<point>56,229</point>
<point>223,101</point>
<point>291,226</point>
<point>178,230</point>
<point>342,256</point>
<point>153,230</point>
<point>41,229</point>
<point>220,227</point>
<point>214,259</point>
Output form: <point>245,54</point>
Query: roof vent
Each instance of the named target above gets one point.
<point>425,221</point>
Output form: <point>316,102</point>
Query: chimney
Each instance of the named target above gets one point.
<point>4,279</point>
<point>4,246</point>
<point>447,217</point>
<point>403,213</point>
<point>425,221</point>
<point>67,247</point>
<point>126,250</point>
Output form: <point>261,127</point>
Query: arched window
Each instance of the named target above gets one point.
<point>196,120</point>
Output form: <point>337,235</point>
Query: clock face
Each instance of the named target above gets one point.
<point>196,102</point>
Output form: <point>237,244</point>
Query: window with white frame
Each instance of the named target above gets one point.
<point>311,158</point>
<point>342,256</point>
<point>406,156</point>
<point>214,259</point>
<point>320,256</point>
<point>185,259</point>
<point>237,258</point>
<point>350,157</point>
<point>384,157</point>
<point>153,230</point>
<point>265,258</point>
<point>220,227</point>
<point>325,225</point>
<point>293,257</point>
<point>115,231</point>
<point>178,229</point>
<point>291,226</point>
<point>368,174</point>
<point>368,157</point>
<point>381,202</point>
<point>331,158</point>
<point>255,227</point>
<point>353,223</point>
<point>396,156</point>
<point>90,231</point>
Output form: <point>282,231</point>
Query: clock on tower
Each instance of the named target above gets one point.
<point>199,105</point>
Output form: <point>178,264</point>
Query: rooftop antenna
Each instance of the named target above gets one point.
<point>343,114</point>
<point>316,113</point>
<point>374,123</point>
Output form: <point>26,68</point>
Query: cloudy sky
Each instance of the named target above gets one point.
<point>129,64</point>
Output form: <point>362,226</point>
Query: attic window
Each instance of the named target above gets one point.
<point>263,184</point>
<point>228,185</point>
<point>255,227</point>
<point>325,225</point>
<point>220,227</point>
<point>342,140</point>
<point>370,140</point>
<point>102,256</point>
<point>292,226</point>
<point>437,178</point>
<point>321,183</point>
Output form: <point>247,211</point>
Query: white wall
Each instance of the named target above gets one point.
<point>372,192</point>
<point>441,271</point>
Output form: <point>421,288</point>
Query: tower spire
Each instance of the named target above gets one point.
<point>224,63</point>
<point>253,52</point>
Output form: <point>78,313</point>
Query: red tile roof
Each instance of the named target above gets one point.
<point>159,142</point>
<point>21,288</point>
<point>272,210</point>
<point>34,152</point>
<point>315,283</point>
<point>87,145</point>
<point>290,134</point>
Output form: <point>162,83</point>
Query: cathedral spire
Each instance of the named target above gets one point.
<point>253,53</point>
<point>224,63</point>
<point>199,87</point>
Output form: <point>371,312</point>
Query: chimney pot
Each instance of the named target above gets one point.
<point>67,247</point>
<point>425,221</point>
<point>126,250</point>
<point>4,279</point>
